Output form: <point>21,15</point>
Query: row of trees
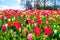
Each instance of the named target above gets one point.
<point>46,6</point>
<point>40,4</point>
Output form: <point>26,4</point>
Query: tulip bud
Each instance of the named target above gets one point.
<point>45,36</point>
<point>34,24</point>
<point>9,19</point>
<point>57,26</point>
<point>4,17</point>
<point>19,29</point>
<point>6,25</point>
<point>46,22</point>
<point>13,19</point>
<point>11,30</point>
<point>24,31</point>
<point>59,35</point>
<point>15,34</point>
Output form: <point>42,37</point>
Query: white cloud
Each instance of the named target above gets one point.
<point>16,6</point>
<point>2,0</point>
<point>18,1</point>
<point>2,7</point>
<point>21,1</point>
<point>49,3</point>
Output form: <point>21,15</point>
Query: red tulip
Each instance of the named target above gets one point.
<point>38,14</point>
<point>37,30</point>
<point>47,30</point>
<point>16,15</point>
<point>8,16</point>
<point>15,10</point>
<point>39,21</point>
<point>58,12</point>
<point>28,21</point>
<point>18,25</point>
<point>5,12</point>
<point>20,13</point>
<point>33,22</point>
<point>12,12</point>
<point>11,24</point>
<point>54,16</point>
<point>45,13</point>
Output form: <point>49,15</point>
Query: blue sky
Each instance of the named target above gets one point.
<point>14,4</point>
<point>10,4</point>
<point>58,2</point>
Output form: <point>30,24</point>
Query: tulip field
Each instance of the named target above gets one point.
<point>29,24</point>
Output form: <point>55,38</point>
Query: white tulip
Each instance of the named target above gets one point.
<point>9,20</point>
<point>4,17</point>
<point>11,30</point>
<point>57,26</point>
<point>54,25</point>
<point>6,25</point>
<point>59,35</point>
<point>21,15</point>
<point>13,19</point>
<point>55,31</point>
<point>35,24</point>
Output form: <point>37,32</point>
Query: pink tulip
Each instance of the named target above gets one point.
<point>46,22</point>
<point>1,16</point>
<point>58,12</point>
<point>15,34</point>
<point>54,16</point>
<point>29,37</point>
<point>45,13</point>
<point>16,15</point>
<point>12,12</point>
<point>24,31</point>
<point>4,28</point>
<point>31,12</point>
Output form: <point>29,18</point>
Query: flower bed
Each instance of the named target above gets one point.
<point>30,25</point>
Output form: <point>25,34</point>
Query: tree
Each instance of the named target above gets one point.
<point>44,3</point>
<point>55,7</point>
<point>28,5</point>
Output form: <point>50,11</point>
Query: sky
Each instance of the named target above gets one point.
<point>11,4</point>
<point>58,2</point>
<point>16,4</point>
